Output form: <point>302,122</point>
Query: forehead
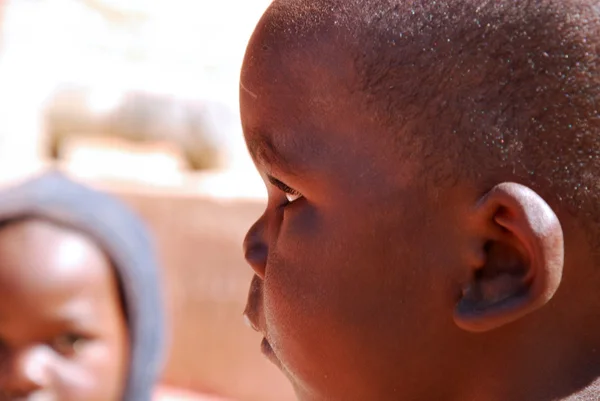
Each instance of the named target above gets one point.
<point>45,262</point>
<point>296,97</point>
<point>285,50</point>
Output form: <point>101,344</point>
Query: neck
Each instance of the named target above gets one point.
<point>538,362</point>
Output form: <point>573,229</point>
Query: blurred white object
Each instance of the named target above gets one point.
<point>111,158</point>
<point>190,49</point>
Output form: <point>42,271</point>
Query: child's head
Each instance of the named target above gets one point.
<point>62,327</point>
<point>80,310</point>
<point>432,221</point>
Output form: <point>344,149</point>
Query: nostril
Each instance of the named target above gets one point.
<point>255,246</point>
<point>256,251</point>
<point>256,256</point>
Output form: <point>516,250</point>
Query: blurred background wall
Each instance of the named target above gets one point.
<point>139,98</point>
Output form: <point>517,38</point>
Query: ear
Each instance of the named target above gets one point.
<point>521,259</point>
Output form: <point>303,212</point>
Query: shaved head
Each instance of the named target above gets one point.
<point>490,90</point>
<point>432,174</point>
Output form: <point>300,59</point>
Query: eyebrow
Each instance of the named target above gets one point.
<point>265,152</point>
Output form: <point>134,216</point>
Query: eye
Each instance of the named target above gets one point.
<point>68,343</point>
<point>292,197</point>
<point>290,193</point>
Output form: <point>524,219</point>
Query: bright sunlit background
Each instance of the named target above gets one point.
<point>70,68</point>
<point>140,98</point>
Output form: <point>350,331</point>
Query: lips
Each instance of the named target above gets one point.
<point>265,348</point>
<point>253,313</point>
<point>250,323</point>
<point>254,318</point>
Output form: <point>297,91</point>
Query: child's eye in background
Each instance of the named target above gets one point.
<point>68,344</point>
<point>290,193</point>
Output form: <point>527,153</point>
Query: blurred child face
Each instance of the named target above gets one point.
<point>62,328</point>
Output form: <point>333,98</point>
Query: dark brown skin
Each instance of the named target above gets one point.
<point>63,333</point>
<point>372,285</point>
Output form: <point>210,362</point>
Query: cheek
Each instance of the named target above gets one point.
<point>358,291</point>
<point>302,269</point>
<point>330,263</point>
<point>98,373</point>
<point>333,284</point>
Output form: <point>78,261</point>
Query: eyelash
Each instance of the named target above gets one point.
<point>286,189</point>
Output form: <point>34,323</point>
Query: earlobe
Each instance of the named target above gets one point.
<point>522,241</point>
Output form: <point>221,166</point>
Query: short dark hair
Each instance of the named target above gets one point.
<point>490,89</point>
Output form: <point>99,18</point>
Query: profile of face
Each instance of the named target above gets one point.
<point>349,289</point>
<point>63,331</point>
<point>369,281</point>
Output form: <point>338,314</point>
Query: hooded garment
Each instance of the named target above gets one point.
<point>123,236</point>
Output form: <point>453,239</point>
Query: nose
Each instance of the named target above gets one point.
<point>255,247</point>
<point>24,372</point>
